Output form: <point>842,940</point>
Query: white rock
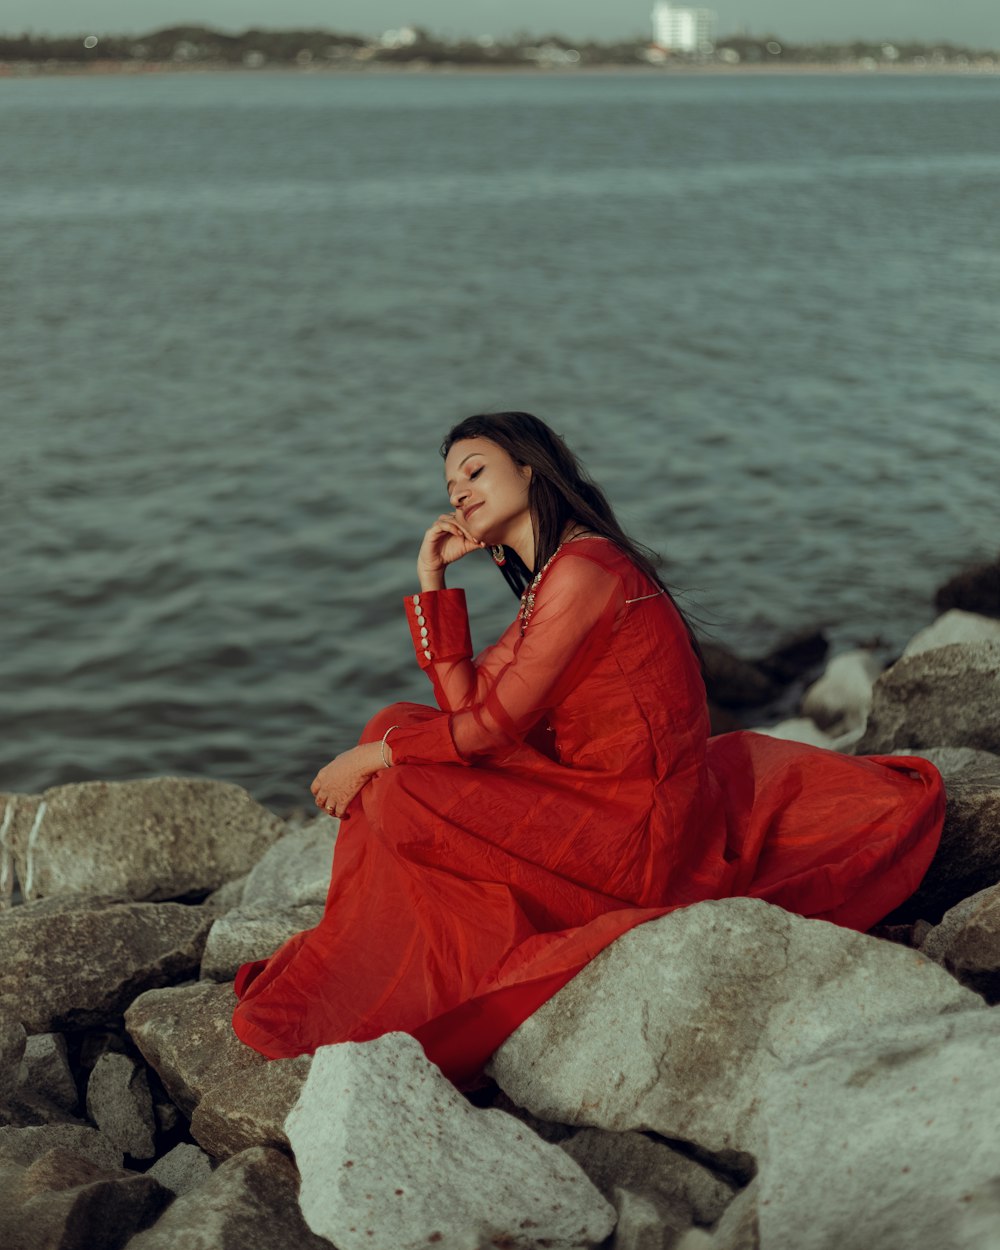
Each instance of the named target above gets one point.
<point>120,1104</point>
<point>676,1024</point>
<point>252,932</point>
<point>883,1142</point>
<point>954,626</point>
<point>392,1157</point>
<point>295,871</point>
<point>798,729</point>
<point>841,699</point>
<point>644,1223</point>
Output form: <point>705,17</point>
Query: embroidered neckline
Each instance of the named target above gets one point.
<point>528,595</point>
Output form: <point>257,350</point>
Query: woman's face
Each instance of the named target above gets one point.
<point>487,489</point>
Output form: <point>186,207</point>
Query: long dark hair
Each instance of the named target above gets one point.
<point>560,492</point>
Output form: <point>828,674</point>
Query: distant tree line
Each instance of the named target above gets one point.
<point>201,45</point>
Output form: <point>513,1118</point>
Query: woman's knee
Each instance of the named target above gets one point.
<point>393,715</point>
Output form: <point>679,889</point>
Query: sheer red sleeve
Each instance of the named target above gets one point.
<point>577,607</point>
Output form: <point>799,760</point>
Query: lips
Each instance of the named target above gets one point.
<point>469,511</point>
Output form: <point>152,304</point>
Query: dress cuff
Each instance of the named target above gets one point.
<point>439,626</point>
<point>429,742</point>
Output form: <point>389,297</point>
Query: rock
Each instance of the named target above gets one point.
<point>295,871</point>
<point>78,962</point>
<point>644,1223</point>
<point>45,1071</point>
<point>798,729</point>
<point>734,682</point>
<point>227,896</point>
<point>951,760</point>
<point>739,1228</point>
<point>392,1156</point>
<point>954,626</point>
<point>882,1142</point>
<point>182,1169</point>
<point>968,858</point>
<point>12,1046</point>
<point>24,1145</point>
<point>186,1036</point>
<point>967,943</point>
<point>250,1107</point>
<point>945,697</point>
<point>674,1026</point>
<point>642,1165</point>
<point>161,838</point>
<point>975,589</point>
<point>63,1202</point>
<point>841,699</point>
<point>795,656</point>
<point>248,1202</point>
<point>253,932</point>
<point>119,1103</point>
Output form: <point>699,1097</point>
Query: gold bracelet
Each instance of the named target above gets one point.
<point>382,747</point>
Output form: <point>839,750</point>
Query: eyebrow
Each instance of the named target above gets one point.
<point>450,482</point>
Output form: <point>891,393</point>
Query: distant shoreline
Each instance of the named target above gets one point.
<point>34,69</point>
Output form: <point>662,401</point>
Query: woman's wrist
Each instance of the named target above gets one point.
<point>430,579</point>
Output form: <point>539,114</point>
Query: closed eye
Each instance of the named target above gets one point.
<point>473,476</point>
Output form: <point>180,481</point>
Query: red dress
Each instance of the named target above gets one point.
<point>566,791</point>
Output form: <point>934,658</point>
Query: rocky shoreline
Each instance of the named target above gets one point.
<point>731,1076</point>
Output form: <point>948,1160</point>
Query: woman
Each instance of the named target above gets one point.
<point>564,790</point>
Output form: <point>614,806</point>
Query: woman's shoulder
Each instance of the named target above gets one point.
<point>599,550</point>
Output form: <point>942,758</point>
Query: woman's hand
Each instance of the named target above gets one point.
<point>446,541</point>
<point>337,784</point>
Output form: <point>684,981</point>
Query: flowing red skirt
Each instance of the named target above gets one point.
<point>461,899</point>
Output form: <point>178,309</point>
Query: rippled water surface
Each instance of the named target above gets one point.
<point>239,311</point>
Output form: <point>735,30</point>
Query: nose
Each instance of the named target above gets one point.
<point>458,496</point>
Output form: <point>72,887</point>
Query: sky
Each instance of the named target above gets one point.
<point>972,22</point>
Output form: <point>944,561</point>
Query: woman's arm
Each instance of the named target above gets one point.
<point>577,608</point>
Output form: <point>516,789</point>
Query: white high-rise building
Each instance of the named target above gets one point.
<point>683,30</point>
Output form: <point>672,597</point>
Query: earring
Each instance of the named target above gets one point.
<point>499,556</point>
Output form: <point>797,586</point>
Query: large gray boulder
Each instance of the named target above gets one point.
<point>248,1203</point>
<point>295,871</point>
<point>967,943</point>
<point>249,1108</point>
<point>120,1104</point>
<point>63,1202</point>
<point>162,838</point>
<point>675,1026</point>
<point>945,697</point>
<point>25,1145</point>
<point>186,1036</point>
<point>79,962</point>
<point>968,858</point>
<point>890,1141</point>
<point>252,932</point>
<point>392,1157</point>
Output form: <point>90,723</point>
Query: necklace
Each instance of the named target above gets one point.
<point>528,596</point>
